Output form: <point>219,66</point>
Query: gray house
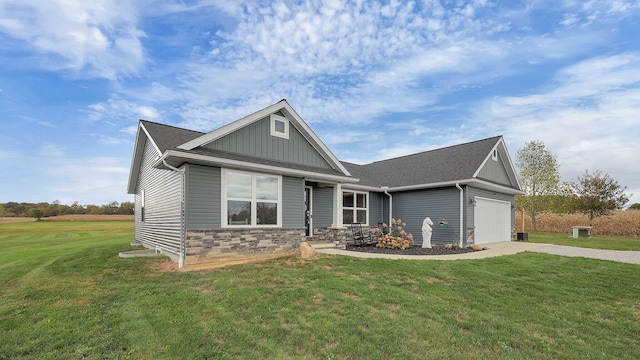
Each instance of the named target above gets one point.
<point>263,184</point>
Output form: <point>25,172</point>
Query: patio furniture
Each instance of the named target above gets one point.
<point>361,236</point>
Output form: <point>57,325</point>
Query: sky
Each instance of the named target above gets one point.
<point>374,80</point>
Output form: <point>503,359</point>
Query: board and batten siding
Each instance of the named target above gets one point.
<point>203,197</point>
<point>438,204</point>
<point>496,171</point>
<point>473,192</point>
<point>163,205</point>
<point>256,140</point>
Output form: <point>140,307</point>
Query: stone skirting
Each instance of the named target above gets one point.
<point>339,236</point>
<point>206,246</point>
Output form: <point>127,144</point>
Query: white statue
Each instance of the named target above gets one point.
<point>426,232</point>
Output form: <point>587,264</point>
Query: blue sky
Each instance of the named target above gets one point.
<point>373,79</point>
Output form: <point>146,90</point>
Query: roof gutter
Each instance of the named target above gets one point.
<point>461,212</point>
<point>181,254</point>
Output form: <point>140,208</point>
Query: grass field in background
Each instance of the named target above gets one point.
<point>64,293</point>
<point>596,242</point>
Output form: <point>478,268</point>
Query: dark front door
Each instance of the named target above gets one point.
<point>308,222</point>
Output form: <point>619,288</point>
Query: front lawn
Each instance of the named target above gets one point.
<point>596,242</point>
<point>66,294</point>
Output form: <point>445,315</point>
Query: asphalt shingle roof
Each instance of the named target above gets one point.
<point>458,162</point>
<point>169,137</point>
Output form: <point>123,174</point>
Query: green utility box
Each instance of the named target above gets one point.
<point>581,231</point>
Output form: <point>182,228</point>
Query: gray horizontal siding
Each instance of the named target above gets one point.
<point>375,208</point>
<point>438,204</point>
<point>163,205</point>
<point>292,202</point>
<point>255,140</point>
<point>203,197</point>
<point>322,206</point>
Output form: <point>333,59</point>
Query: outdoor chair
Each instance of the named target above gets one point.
<point>361,236</point>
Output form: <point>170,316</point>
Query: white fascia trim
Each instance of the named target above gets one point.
<point>243,165</point>
<point>229,128</point>
<point>315,138</point>
<point>137,154</point>
<point>151,139</point>
<point>480,183</point>
<point>489,155</point>
<point>515,174</point>
<point>494,187</point>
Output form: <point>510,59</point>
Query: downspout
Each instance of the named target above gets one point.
<point>461,212</point>
<point>181,255</point>
<point>385,188</point>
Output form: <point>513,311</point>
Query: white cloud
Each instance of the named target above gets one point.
<point>587,117</point>
<point>81,179</point>
<point>90,38</point>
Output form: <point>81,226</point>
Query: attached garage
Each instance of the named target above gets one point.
<point>492,221</point>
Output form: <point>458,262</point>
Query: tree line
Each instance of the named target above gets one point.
<point>44,209</point>
<point>594,194</point>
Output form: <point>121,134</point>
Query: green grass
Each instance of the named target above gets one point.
<point>64,293</point>
<point>596,242</point>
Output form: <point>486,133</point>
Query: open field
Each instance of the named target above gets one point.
<point>64,293</point>
<point>78,217</point>
<point>596,242</point>
<point>620,223</point>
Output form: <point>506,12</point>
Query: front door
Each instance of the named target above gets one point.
<point>308,210</point>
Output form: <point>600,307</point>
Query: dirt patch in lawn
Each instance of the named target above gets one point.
<point>89,217</point>
<point>8,220</point>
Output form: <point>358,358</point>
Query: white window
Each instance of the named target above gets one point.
<point>251,199</point>
<point>279,126</point>
<point>355,207</point>
<point>494,154</point>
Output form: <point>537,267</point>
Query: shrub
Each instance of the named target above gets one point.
<point>395,237</point>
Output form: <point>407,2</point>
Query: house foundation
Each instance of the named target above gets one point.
<point>228,245</point>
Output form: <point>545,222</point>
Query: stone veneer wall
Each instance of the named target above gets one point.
<point>339,236</point>
<point>205,246</point>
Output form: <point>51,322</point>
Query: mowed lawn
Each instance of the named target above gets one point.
<point>65,294</point>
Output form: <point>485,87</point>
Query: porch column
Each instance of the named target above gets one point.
<point>337,206</point>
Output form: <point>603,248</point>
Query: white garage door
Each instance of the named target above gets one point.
<point>492,221</point>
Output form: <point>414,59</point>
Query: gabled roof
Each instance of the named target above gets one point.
<point>440,167</point>
<point>458,163</point>
<point>282,106</point>
<point>175,146</point>
<point>168,137</point>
